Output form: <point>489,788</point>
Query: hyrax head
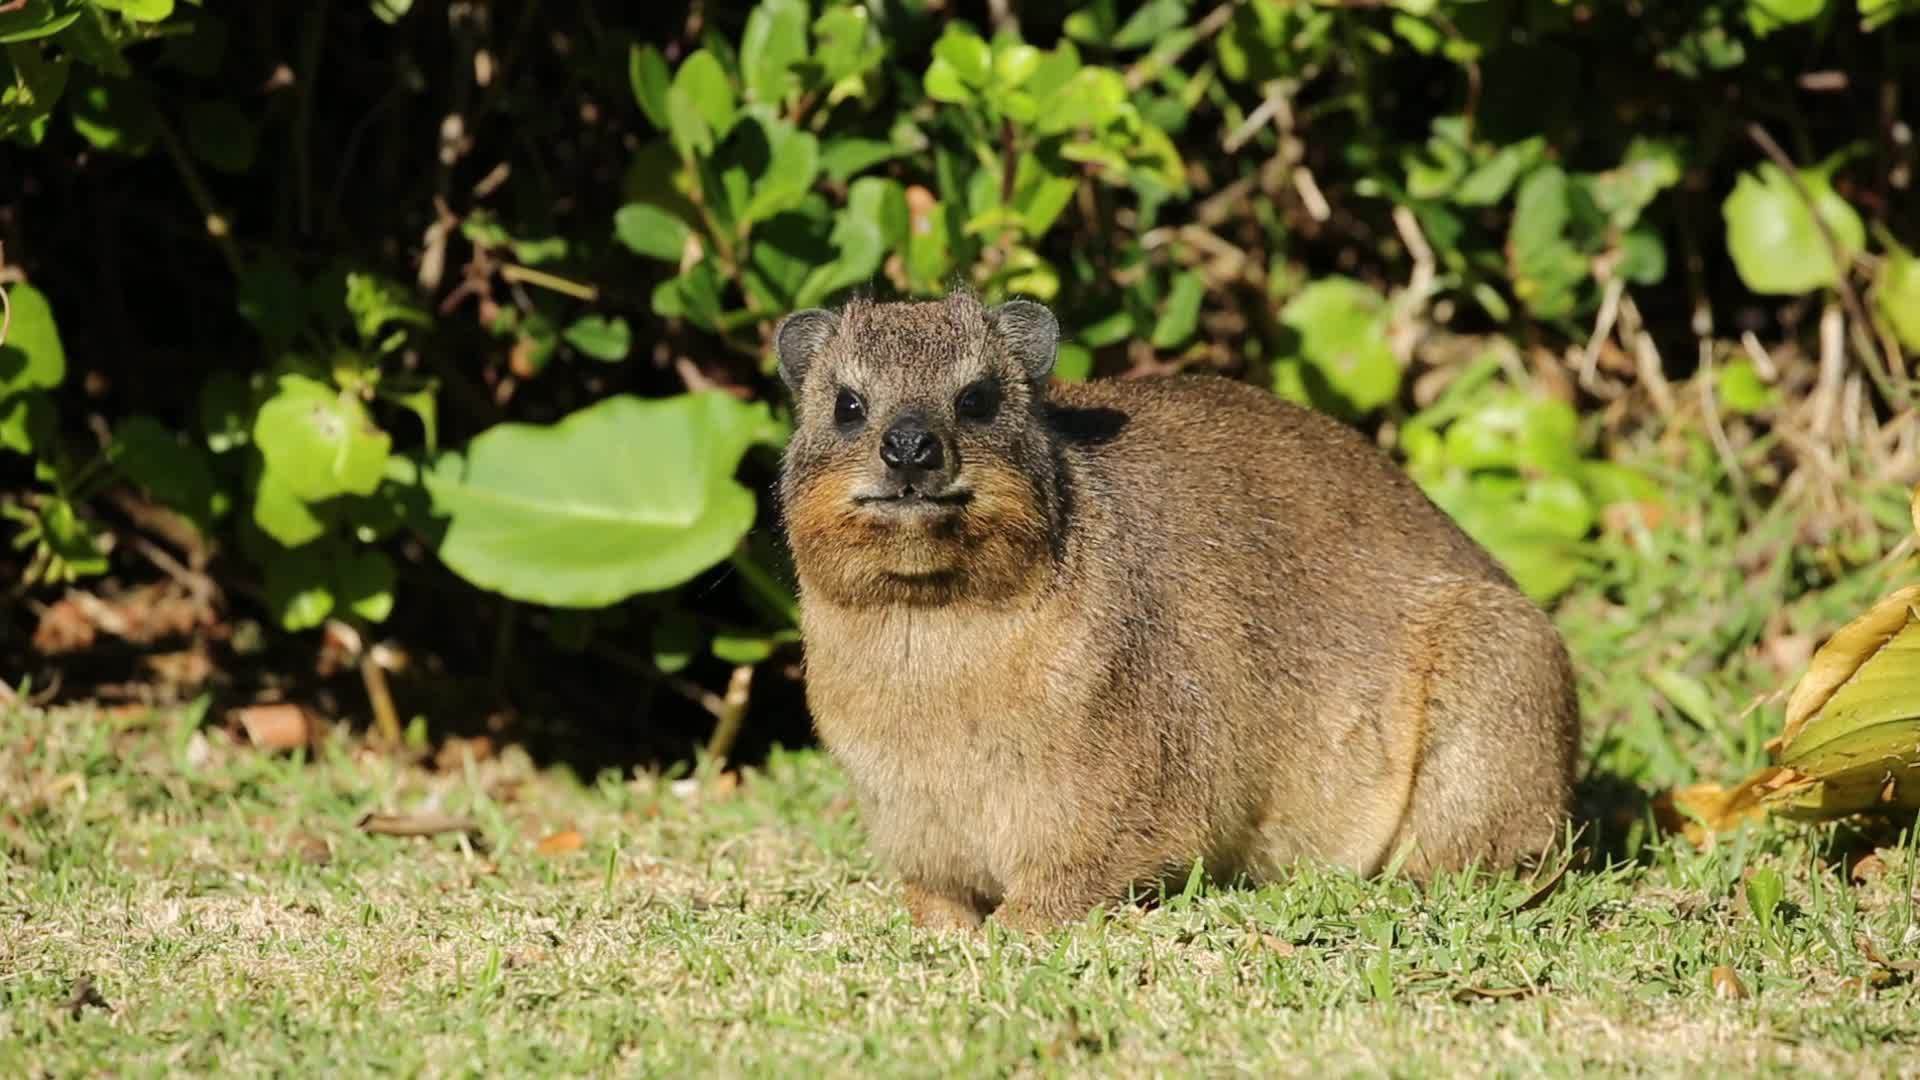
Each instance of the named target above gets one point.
<point>918,472</point>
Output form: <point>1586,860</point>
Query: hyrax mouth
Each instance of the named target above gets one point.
<point>912,498</point>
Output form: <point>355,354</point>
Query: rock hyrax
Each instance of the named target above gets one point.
<point>1067,639</point>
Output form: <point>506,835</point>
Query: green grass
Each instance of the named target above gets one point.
<point>232,918</point>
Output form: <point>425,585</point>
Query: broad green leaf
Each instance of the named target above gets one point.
<point>1741,390</point>
<point>376,302</point>
<point>647,74</point>
<point>602,338</point>
<point>1651,167</point>
<point>174,473</point>
<point>846,46</point>
<point>138,10</point>
<point>1766,16</point>
<point>36,19</point>
<point>648,230</point>
<point>1774,239</point>
<point>27,422</point>
<point>1545,266</point>
<point>694,295</point>
<point>32,357</point>
<point>281,514</point>
<point>700,105</point>
<point>1153,21</point>
<point>363,583</point>
<point>1072,362</point>
<point>299,585</point>
<point>874,222</point>
<point>222,135</point>
<point>1515,430</point>
<point>1343,340</point>
<point>319,442</point>
<point>391,11</point>
<point>1897,295</point>
<point>1180,314</point>
<point>793,163</point>
<point>1867,728</point>
<point>1489,182</point>
<point>659,506</point>
<point>775,40</point>
<point>1014,63</point>
<point>962,50</point>
<point>849,155</point>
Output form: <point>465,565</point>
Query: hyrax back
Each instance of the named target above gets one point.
<point>1067,640</point>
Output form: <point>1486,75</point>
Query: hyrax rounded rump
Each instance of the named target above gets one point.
<point>1066,639</point>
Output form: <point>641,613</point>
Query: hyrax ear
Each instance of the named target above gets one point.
<point>798,339</point>
<point>1031,334</point>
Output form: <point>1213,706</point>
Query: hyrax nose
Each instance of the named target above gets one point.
<point>909,446</point>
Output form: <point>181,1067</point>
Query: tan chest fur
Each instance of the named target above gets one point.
<point>940,717</point>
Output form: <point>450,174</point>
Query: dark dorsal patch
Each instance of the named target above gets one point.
<point>1094,426</point>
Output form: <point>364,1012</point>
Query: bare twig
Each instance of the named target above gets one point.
<point>1863,345</point>
<point>1826,392</point>
<point>1762,359</point>
<point>1275,101</point>
<point>1602,328</point>
<point>218,227</point>
<point>733,713</point>
<point>1710,409</point>
<point>516,274</point>
<point>6,314</point>
<point>1646,356</point>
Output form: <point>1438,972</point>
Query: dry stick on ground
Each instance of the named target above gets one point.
<point>1862,343</point>
<point>6,315</point>
<point>1646,356</point>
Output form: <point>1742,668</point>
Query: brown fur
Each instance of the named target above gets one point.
<point>1178,619</point>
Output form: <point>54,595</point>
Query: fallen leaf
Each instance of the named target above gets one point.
<point>1624,517</point>
<point>280,726</point>
<point>562,843</point>
<point>456,752</point>
<point>1726,983</point>
<point>1698,811</point>
<point>1844,653</point>
<point>422,824</point>
<point>311,849</point>
<point>1879,959</point>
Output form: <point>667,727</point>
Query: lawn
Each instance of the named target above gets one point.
<point>172,898</point>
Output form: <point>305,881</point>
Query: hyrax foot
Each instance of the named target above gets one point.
<point>932,909</point>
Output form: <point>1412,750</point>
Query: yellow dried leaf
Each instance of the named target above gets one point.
<point>1843,654</point>
<point>1701,810</point>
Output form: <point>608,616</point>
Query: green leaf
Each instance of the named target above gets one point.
<point>1180,315</point>
<point>1741,389</point>
<point>846,46</point>
<point>1150,23</point>
<point>281,514</point>
<point>962,50</point>
<point>222,135</point>
<point>376,302</point>
<point>391,11</point>
<point>1765,890</point>
<point>793,163</point>
<point>319,442</point>
<point>1343,340</point>
<point>1774,239</point>
<point>363,583</point>
<point>299,586</point>
<point>775,40</point>
<point>647,74</point>
<point>37,19</point>
<point>1515,430</point>
<point>1897,295</point>
<point>874,221</point>
<point>1546,267</point>
<point>138,10</point>
<point>174,473</point>
<point>27,422</point>
<point>32,357</point>
<point>600,337</point>
<point>700,105</point>
<point>659,507</point>
<point>649,231</point>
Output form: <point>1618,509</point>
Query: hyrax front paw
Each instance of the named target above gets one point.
<point>932,909</point>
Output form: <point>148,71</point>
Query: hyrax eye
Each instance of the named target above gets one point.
<point>978,402</point>
<point>849,412</point>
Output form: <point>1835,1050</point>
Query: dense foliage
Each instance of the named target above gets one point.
<point>397,303</point>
